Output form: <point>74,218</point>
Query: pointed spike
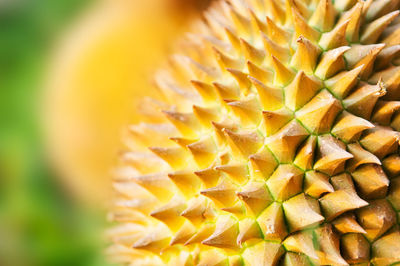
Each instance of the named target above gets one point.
<point>371,181</point>
<point>301,242</point>
<point>175,157</point>
<point>329,246</point>
<point>225,234</point>
<point>186,181</point>
<point>246,143</point>
<point>170,213</point>
<point>285,182</point>
<point>225,61</point>
<point>237,172</point>
<point>205,115</point>
<point>390,77</point>
<point>331,62</point>
<point>347,223</point>
<point>272,223</point>
<point>295,259</point>
<point>283,75</point>
<point>257,72</point>
<point>336,37</point>
<point>237,209</point>
<point>208,176</point>
<point>256,197</point>
<point>361,157</point>
<point>280,52</point>
<point>349,127</point>
<point>186,123</point>
<point>183,142</point>
<point>319,114</point>
<point>275,120</point>
<point>203,233</point>
<point>252,53</point>
<point>305,155</point>
<point>277,34</point>
<point>316,184</point>
<point>301,90</point>
<point>306,56</point>
<point>300,7</point>
<point>391,164</point>
<point>380,8</point>
<point>203,151</point>
<point>223,193</point>
<point>385,249</point>
<point>154,242</point>
<point>384,111</point>
<point>323,17</point>
<point>242,23</point>
<point>212,257</point>
<point>342,83</point>
<point>183,234</point>
<point>380,141</point>
<point>263,253</point>
<point>373,30</point>
<point>258,25</point>
<point>248,230</point>
<point>354,17</point>
<point>262,164</point>
<point>275,10</point>
<point>363,55</point>
<point>233,39</point>
<point>241,78</point>
<point>271,98</point>
<point>195,210</point>
<point>302,28</point>
<point>157,184</point>
<point>206,91</point>
<point>355,248</point>
<point>227,91</point>
<point>248,110</point>
<point>344,4</point>
<point>385,57</point>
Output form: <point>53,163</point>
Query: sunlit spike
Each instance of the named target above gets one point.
<point>257,72</point>
<point>386,55</point>
<point>140,163</point>
<point>361,157</point>
<point>233,39</point>
<point>390,77</point>
<point>186,231</point>
<point>272,222</point>
<point>195,210</point>
<point>295,259</point>
<point>373,30</point>
<point>342,83</point>
<point>256,197</point>
<point>323,17</point>
<point>383,112</point>
<point>206,91</point>
<point>302,28</point>
<point>332,155</point>
<point>275,11</point>
<point>385,249</point>
<point>301,90</point>
<point>301,242</point>
<point>302,212</point>
<point>248,230</point>
<point>335,38</point>
<point>212,257</point>
<point>394,193</point>
<point>258,25</point>
<point>329,245</point>
<point>274,120</point>
<point>203,233</point>
<point>376,218</point>
<point>380,141</point>
<point>315,184</point>
<point>284,143</point>
<point>391,164</point>
<point>205,115</point>
<point>252,53</point>
<point>227,91</point>
<point>277,34</point>
<point>306,55</point>
<point>223,193</point>
<point>362,101</point>
<point>246,143</point>
<point>363,55</point>
<point>331,62</point>
<point>354,17</point>
<point>145,134</point>
<point>347,223</point>
<point>225,61</point>
<point>241,78</point>
<point>344,4</point>
<point>174,156</point>
<point>319,114</point>
<point>186,181</point>
<point>271,98</point>
<point>155,241</point>
<point>157,184</point>
<point>249,110</point>
<point>202,71</point>
<point>203,151</point>
<point>129,215</point>
<point>219,130</point>
<point>272,48</point>
<point>390,35</point>
<point>242,23</point>
<point>264,253</point>
<point>181,258</point>
<point>355,248</point>
<point>237,209</point>
<point>300,7</point>
<point>366,7</point>
<point>283,75</point>
<point>305,155</point>
<point>170,213</point>
<point>237,172</point>
<point>208,176</point>
<point>285,182</point>
<point>342,200</point>
<point>186,123</point>
<point>262,164</point>
<point>349,127</point>
<point>379,8</point>
<point>225,234</point>
<point>371,181</point>
<point>183,142</point>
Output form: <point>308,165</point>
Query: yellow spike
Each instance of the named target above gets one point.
<point>362,101</point>
<point>323,17</point>
<point>208,176</point>
<point>380,141</point>
<point>220,126</point>
<point>203,233</point>
<point>347,223</point>
<point>299,6</point>
<point>264,253</point>
<point>252,53</point>
<point>237,209</point>
<point>280,52</point>
<point>384,111</point>
<point>329,246</point>
<point>248,110</point>
<point>242,23</point>
<point>373,30</point>
<point>272,222</point>
<point>256,197</point>
<point>332,155</point>
<point>380,8</point>
<point>285,182</point>
<point>361,157</point>
<point>391,80</point>
<point>305,155</point>
<point>301,90</point>
<point>283,75</point>
<point>262,164</point>
<point>186,181</point>
<point>391,165</point>
<point>331,62</point>
<point>275,10</point>
<point>302,212</point>
<point>284,143</point>
<point>371,181</point>
<point>258,25</point>
<point>183,142</point>
<point>226,61</point>
<point>155,242</point>
<point>302,28</point>
<point>246,143</point>
<point>277,34</point>
<point>335,38</point>
<point>386,248</point>
<point>295,259</point>
<point>354,17</point>
<point>186,231</point>
<point>376,218</point>
<point>342,200</point>
<point>275,120</point>
<point>237,172</point>
<point>227,91</point>
<point>390,35</point>
<point>355,248</point>
<point>344,4</point>
<point>301,242</point>
<point>205,115</point>
<point>212,258</point>
<point>195,211</point>
<point>186,123</point>
<point>233,39</point>
<point>225,234</point>
<point>223,193</point>
<point>248,230</point>
<point>319,114</point>
<point>203,151</point>
<point>306,55</point>
<point>206,91</point>
<point>257,72</point>
<point>157,184</point>
<point>342,83</point>
<point>170,213</point>
<point>363,55</point>
<point>385,57</point>
<point>315,184</point>
<point>271,98</point>
<point>394,193</point>
<point>175,157</point>
<point>241,78</point>
<point>349,127</point>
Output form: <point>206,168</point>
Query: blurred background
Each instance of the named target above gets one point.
<point>70,72</point>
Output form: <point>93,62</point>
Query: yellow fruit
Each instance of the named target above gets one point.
<point>273,140</point>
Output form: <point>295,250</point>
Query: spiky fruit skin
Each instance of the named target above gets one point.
<point>273,141</point>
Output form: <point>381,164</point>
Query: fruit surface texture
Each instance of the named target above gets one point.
<point>273,140</point>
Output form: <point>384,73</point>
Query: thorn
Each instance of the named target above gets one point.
<point>305,155</point>
<point>251,53</point>
<point>283,75</point>
<point>271,98</point>
<point>323,17</point>
<point>373,30</point>
<point>335,38</point>
<point>259,73</point>
<point>275,120</point>
<point>306,55</point>
<point>316,184</point>
<point>280,52</point>
<point>272,223</point>
<point>256,197</point>
<point>331,62</point>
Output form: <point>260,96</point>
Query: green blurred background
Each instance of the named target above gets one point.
<point>39,223</point>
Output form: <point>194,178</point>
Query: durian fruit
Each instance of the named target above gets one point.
<point>273,141</point>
